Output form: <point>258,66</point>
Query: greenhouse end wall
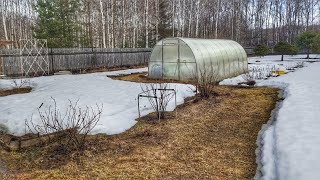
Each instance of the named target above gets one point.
<point>185,58</point>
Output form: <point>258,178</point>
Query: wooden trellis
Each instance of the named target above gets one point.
<point>34,57</point>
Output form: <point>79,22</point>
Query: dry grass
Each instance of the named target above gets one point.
<point>108,69</point>
<point>142,78</point>
<point>209,139</point>
<point>7,92</point>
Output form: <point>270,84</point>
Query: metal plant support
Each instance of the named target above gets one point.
<point>34,57</point>
<point>142,95</point>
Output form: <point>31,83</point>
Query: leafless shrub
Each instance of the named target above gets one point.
<point>19,83</point>
<point>290,68</point>
<point>295,66</point>
<point>71,128</point>
<point>269,71</point>
<point>300,64</point>
<point>250,75</point>
<point>159,95</point>
<point>205,80</point>
<point>258,73</point>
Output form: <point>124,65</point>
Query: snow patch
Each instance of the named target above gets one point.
<point>119,99</point>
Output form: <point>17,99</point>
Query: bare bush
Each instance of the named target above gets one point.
<point>290,68</point>
<point>269,71</point>
<point>299,64</point>
<point>159,95</point>
<point>19,83</point>
<point>257,73</point>
<point>205,80</point>
<point>249,78</point>
<point>72,127</point>
<point>295,66</point>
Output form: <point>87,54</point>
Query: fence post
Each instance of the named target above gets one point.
<point>94,59</point>
<point>52,63</point>
<point>1,66</point>
<point>121,60</point>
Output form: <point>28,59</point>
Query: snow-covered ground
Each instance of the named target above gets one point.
<point>295,136</point>
<point>269,63</point>
<point>119,99</point>
<point>291,144</point>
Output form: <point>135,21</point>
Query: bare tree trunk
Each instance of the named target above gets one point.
<point>123,25</point>
<point>113,24</point>
<point>135,16</point>
<point>5,27</point>
<point>147,22</point>
<point>190,19</point>
<point>108,27</point>
<point>197,18</point>
<point>173,18</point>
<point>217,20</point>
<point>157,19</point>
<point>183,19</point>
<point>103,26</point>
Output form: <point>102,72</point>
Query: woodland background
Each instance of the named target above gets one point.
<point>141,23</point>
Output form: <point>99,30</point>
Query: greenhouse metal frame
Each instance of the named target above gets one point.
<point>183,58</point>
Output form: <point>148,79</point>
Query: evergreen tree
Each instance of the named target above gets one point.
<point>294,50</point>
<point>164,26</point>
<point>164,20</point>
<point>316,44</point>
<point>261,50</point>
<point>284,48</point>
<point>57,22</point>
<point>306,41</point>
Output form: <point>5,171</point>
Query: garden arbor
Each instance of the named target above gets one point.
<point>183,58</point>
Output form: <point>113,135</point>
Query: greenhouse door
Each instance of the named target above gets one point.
<point>170,59</point>
<point>187,62</point>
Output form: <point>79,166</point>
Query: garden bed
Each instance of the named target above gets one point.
<point>143,78</point>
<point>22,90</point>
<point>213,138</point>
<point>102,69</point>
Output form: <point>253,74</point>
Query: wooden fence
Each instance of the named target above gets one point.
<point>71,59</point>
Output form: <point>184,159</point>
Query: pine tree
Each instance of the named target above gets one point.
<point>284,48</point>
<point>261,50</point>
<point>164,20</point>
<point>57,22</point>
<point>164,26</point>
<point>306,41</point>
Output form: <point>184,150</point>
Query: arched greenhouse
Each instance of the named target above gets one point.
<point>183,58</point>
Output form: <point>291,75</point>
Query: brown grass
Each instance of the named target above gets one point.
<point>7,92</point>
<point>108,69</point>
<point>209,139</point>
<point>142,78</point>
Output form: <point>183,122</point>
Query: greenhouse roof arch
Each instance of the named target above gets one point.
<point>183,58</point>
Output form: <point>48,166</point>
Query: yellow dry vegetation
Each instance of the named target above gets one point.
<point>22,90</point>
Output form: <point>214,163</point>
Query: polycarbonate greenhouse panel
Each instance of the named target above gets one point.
<point>185,58</point>
<point>156,53</point>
